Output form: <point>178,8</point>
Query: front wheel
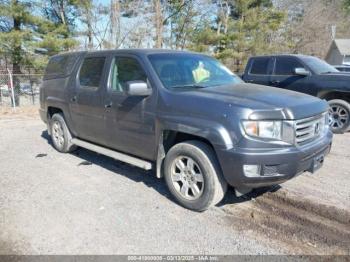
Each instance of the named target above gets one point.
<point>339,116</point>
<point>193,175</point>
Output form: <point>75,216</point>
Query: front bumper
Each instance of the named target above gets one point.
<point>285,162</point>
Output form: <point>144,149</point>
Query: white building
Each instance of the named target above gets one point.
<point>339,52</point>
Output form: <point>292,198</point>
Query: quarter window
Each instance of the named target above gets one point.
<point>60,66</point>
<point>125,69</point>
<point>286,65</point>
<point>91,72</point>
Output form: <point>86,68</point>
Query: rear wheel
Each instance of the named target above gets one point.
<point>193,175</point>
<point>339,116</point>
<point>60,134</point>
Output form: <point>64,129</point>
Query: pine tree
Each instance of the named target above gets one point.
<point>346,4</point>
<point>23,31</point>
<point>243,28</point>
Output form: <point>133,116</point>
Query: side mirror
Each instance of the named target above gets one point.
<point>301,72</point>
<point>137,88</point>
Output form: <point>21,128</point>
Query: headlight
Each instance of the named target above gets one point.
<point>264,129</point>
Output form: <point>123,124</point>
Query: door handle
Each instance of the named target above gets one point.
<point>276,82</point>
<point>249,81</point>
<point>108,105</point>
<point>73,99</point>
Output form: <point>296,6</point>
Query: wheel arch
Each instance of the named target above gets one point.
<point>335,94</point>
<point>171,137</point>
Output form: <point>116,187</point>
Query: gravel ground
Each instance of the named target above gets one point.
<point>85,203</point>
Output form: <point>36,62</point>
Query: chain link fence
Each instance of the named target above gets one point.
<point>19,89</point>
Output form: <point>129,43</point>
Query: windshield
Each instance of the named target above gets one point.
<point>191,70</point>
<point>319,66</point>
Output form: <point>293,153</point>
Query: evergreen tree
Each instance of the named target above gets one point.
<point>346,4</point>
<point>244,28</point>
<point>23,31</point>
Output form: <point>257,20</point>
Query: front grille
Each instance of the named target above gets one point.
<point>309,129</point>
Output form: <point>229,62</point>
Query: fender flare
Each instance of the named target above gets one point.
<point>63,106</point>
<point>211,131</point>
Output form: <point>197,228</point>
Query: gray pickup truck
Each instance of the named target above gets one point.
<point>187,117</point>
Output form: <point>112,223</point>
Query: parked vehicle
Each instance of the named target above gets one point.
<point>343,68</point>
<point>27,89</point>
<point>4,90</point>
<point>305,74</point>
<point>186,116</point>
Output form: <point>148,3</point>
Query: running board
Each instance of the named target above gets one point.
<point>113,154</point>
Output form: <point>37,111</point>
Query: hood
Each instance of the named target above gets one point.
<point>284,103</point>
<point>337,76</point>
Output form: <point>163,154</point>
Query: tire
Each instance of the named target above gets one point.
<point>339,116</point>
<point>60,134</point>
<point>186,165</point>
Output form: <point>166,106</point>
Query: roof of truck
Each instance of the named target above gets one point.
<point>295,55</point>
<point>128,51</point>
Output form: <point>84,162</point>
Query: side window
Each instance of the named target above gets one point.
<point>91,72</point>
<point>260,66</point>
<point>125,69</point>
<point>286,65</point>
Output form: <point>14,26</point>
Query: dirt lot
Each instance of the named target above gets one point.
<point>84,203</point>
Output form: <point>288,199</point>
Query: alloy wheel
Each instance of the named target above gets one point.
<point>58,134</point>
<point>338,116</point>
<point>187,178</point>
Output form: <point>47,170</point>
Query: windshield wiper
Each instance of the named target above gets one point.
<point>188,86</point>
<point>328,72</point>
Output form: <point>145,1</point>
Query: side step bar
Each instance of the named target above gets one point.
<point>113,154</point>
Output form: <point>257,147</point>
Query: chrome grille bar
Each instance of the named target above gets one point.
<point>309,129</point>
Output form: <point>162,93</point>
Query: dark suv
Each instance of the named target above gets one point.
<point>305,74</point>
<point>186,116</point>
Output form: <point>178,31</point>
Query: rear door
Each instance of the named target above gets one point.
<point>284,74</point>
<point>259,70</point>
<point>86,102</point>
<point>130,120</point>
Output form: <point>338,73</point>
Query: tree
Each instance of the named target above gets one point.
<point>115,23</point>
<point>310,23</point>
<point>346,5</point>
<point>183,17</point>
<point>14,35</point>
<point>64,13</point>
<point>158,23</point>
<point>172,17</point>
<point>23,30</point>
<point>86,15</point>
<point>242,28</point>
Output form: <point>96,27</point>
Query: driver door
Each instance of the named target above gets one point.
<point>284,75</point>
<point>130,120</point>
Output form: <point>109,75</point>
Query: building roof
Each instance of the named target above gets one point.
<point>343,46</point>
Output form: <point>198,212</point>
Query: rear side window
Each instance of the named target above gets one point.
<point>60,66</point>
<point>286,65</point>
<point>91,71</point>
<point>260,66</point>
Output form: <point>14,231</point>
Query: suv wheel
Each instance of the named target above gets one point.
<point>60,134</point>
<point>193,175</point>
<point>339,116</point>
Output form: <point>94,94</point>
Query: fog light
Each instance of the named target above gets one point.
<point>251,170</point>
